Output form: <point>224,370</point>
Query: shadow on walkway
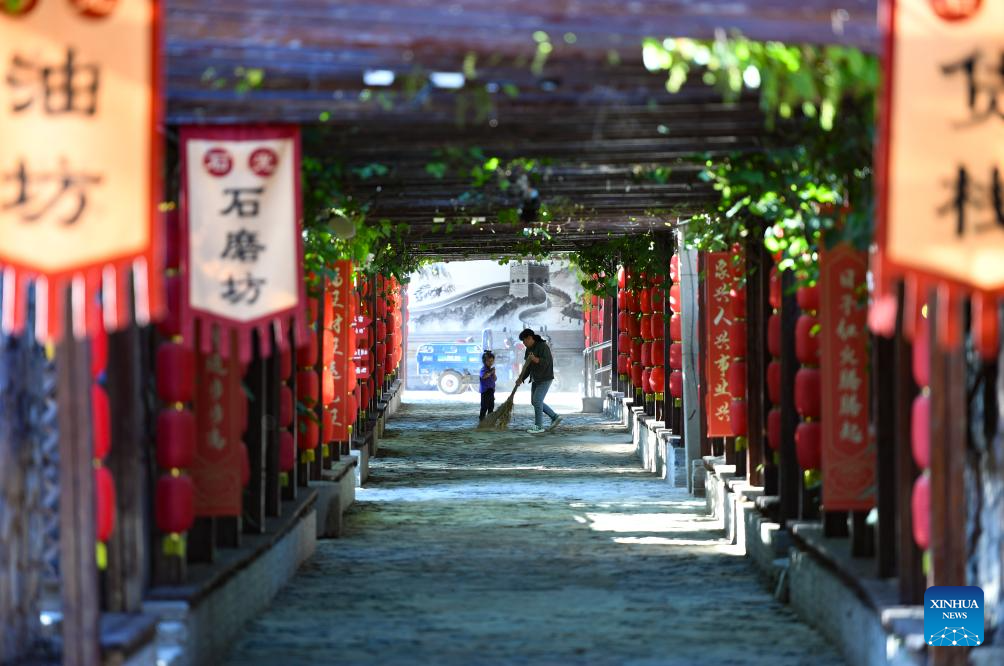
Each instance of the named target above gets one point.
<point>510,548</point>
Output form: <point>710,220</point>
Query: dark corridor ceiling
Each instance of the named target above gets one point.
<point>593,109</point>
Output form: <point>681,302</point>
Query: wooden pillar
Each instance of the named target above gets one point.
<point>76,506</point>
<point>756,343</point>
<point>789,474</point>
<point>128,462</point>
<point>883,399</point>
<point>908,557</point>
<point>255,439</point>
<point>270,428</point>
<point>949,444</point>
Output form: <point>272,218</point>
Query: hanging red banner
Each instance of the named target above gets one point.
<point>339,367</point>
<point>941,144</point>
<point>242,249</point>
<point>219,416</point>
<point>849,458</point>
<point>718,317</point>
<point>80,105</point>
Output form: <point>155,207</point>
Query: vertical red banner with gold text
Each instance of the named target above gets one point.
<point>718,315</point>
<point>219,416</point>
<point>849,457</point>
<point>339,369</point>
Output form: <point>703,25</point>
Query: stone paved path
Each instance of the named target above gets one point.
<point>508,548</point>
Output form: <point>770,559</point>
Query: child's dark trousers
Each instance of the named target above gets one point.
<point>487,403</point>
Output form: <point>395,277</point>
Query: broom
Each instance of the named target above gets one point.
<point>499,419</point>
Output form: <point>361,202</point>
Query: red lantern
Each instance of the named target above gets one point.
<point>307,387</point>
<point>808,445</point>
<point>658,325</point>
<point>774,428</point>
<point>646,354</point>
<point>622,300</point>
<point>920,431</point>
<point>645,301</point>
<point>287,451</point>
<point>674,268</point>
<point>808,298</point>
<point>631,301</point>
<point>774,382</point>
<point>808,393</point>
<point>646,380</point>
<point>101,421</point>
<point>646,327</point>
<point>623,321</point>
<point>623,364</point>
<point>656,278</point>
<point>658,300</point>
<point>737,379</point>
<point>922,353</point>
<point>176,435</point>
<point>99,354</point>
<point>306,356</point>
<point>175,373</point>
<point>634,327</point>
<point>175,504</point>
<point>309,434</point>
<point>737,339</point>
<point>658,352</point>
<point>381,331</point>
<point>242,449</point>
<point>636,344</point>
<point>807,339</point>
<point>675,302</point>
<point>636,374</point>
<point>920,505</point>
<point>104,490</point>
<point>285,407</point>
<point>775,289</point>
<point>676,328</point>
<point>624,342</point>
<point>676,356</point>
<point>170,326</point>
<point>621,278</point>
<point>657,379</point>
<point>737,417</point>
<point>774,334</point>
<point>737,297</point>
<point>676,383</point>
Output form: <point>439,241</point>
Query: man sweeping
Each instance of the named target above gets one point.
<point>539,367</point>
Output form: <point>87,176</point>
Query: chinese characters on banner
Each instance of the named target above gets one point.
<point>941,160</point>
<point>242,245</point>
<point>718,313</point>
<point>79,161</point>
<point>338,352</point>
<point>849,459</point>
<point>216,471</point>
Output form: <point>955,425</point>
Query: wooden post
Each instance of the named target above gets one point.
<point>270,427</point>
<point>254,496</point>
<point>908,556</point>
<point>128,462</point>
<point>790,476</point>
<point>949,446</point>
<point>883,399</point>
<point>756,398</point>
<point>77,544</point>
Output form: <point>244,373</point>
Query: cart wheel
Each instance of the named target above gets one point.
<point>450,382</point>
